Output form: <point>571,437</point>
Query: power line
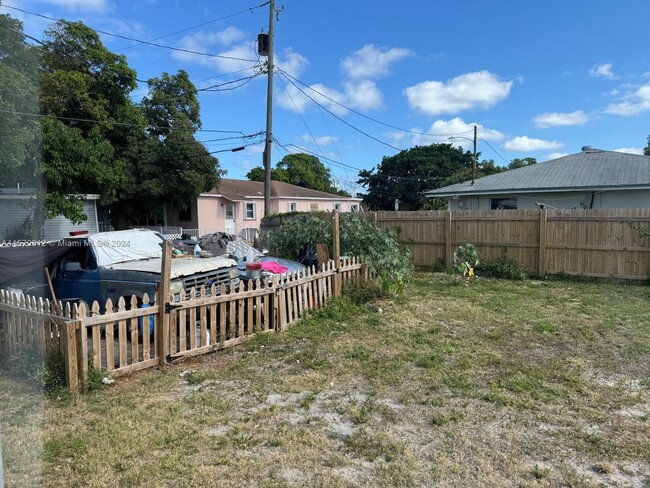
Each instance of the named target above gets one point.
<point>339,163</point>
<point>368,117</point>
<point>337,117</point>
<point>114,122</point>
<point>197,26</point>
<point>490,145</point>
<point>140,41</point>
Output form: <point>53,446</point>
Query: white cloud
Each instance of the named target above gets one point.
<point>371,62</point>
<point>441,130</point>
<point>291,62</point>
<point>554,119</point>
<point>556,155</point>
<point>479,89</point>
<point>630,150</point>
<point>230,40</point>
<point>634,103</point>
<point>602,71</point>
<point>80,5</point>
<point>525,143</point>
<point>320,140</point>
<point>363,95</point>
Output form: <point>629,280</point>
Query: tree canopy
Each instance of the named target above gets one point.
<point>646,150</point>
<point>302,170</point>
<point>91,137</point>
<point>407,175</point>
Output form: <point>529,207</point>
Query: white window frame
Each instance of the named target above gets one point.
<point>354,207</point>
<point>229,206</point>
<point>337,207</point>
<point>252,206</point>
<point>292,207</point>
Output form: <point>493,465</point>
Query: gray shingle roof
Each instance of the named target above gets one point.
<point>587,170</point>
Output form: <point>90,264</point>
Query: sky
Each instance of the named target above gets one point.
<point>360,80</point>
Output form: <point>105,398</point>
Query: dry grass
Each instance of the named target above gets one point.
<point>482,383</point>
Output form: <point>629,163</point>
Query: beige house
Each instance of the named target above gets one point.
<point>238,205</point>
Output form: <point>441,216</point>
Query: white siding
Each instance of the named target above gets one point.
<point>61,227</point>
<point>12,213</point>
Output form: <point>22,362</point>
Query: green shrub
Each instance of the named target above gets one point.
<point>362,292</point>
<point>45,371</point>
<point>380,250</point>
<point>465,260</point>
<point>506,267</point>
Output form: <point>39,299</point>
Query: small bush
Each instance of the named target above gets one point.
<point>45,371</point>
<point>466,258</point>
<point>362,292</point>
<point>505,267</point>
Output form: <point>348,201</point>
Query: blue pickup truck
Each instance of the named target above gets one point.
<point>126,263</point>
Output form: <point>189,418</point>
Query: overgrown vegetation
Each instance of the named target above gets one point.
<point>533,383</point>
<point>381,250</point>
<point>43,371</point>
<point>506,267</point>
<point>465,260</point>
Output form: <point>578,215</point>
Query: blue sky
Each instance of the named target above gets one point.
<point>540,79</point>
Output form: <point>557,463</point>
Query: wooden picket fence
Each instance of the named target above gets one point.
<point>122,337</point>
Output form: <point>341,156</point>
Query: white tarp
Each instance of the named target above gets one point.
<point>125,245</point>
<point>179,267</point>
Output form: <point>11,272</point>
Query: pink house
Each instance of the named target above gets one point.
<point>239,204</point>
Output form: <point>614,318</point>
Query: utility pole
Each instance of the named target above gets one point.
<point>269,114</point>
<point>474,160</point>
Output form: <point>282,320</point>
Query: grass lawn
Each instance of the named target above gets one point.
<point>455,383</point>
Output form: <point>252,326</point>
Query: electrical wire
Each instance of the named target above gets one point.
<point>140,41</point>
<point>336,116</point>
<point>250,9</point>
<point>114,122</point>
<point>368,117</point>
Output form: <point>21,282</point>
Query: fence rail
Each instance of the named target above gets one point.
<point>123,337</point>
<point>599,243</point>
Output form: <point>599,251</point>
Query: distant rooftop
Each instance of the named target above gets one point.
<point>243,190</point>
<point>590,169</point>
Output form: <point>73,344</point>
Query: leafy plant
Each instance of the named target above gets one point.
<point>506,267</point>
<point>466,258</point>
<point>381,250</point>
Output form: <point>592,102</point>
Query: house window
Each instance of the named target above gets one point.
<point>337,207</point>
<point>230,211</point>
<point>354,207</point>
<point>185,214</point>
<point>503,204</point>
<point>313,207</point>
<point>291,207</point>
<point>249,211</point>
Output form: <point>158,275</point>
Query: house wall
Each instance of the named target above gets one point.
<point>15,209</point>
<point>571,200</point>
<point>212,211</point>
<point>60,227</point>
<point>13,212</point>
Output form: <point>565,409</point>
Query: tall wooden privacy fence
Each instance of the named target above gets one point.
<point>124,337</point>
<point>600,243</point>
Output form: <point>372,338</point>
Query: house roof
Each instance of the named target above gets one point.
<point>590,169</point>
<point>245,190</point>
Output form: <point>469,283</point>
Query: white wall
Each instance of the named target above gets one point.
<point>573,200</point>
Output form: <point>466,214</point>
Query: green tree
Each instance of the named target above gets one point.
<point>646,150</point>
<point>172,165</point>
<point>19,134</point>
<point>302,170</point>
<point>407,175</point>
<point>85,87</point>
<point>521,162</point>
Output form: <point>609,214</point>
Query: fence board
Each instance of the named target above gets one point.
<point>599,243</point>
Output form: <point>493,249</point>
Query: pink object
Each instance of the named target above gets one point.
<point>273,267</point>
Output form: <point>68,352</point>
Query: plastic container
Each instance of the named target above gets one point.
<point>197,251</point>
<point>253,270</point>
